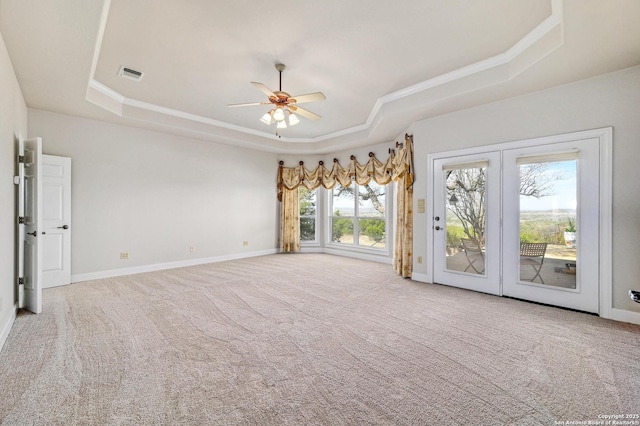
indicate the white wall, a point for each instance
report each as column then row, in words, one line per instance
column 13, row 122
column 154, row 195
column 608, row 100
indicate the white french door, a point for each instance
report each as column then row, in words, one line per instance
column 568, row 273
column 466, row 221
column 528, row 219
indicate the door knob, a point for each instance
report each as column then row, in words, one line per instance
column 438, row 228
column 437, row 218
column 63, row 227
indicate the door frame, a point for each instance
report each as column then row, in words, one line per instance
column 605, row 214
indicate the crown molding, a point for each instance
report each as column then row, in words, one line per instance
column 534, row 46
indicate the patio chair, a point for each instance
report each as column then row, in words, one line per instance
column 474, row 254
column 533, row 254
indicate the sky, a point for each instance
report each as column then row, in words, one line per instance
column 565, row 190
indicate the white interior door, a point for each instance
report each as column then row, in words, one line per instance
column 30, row 230
column 466, row 221
column 56, row 220
column 568, row 185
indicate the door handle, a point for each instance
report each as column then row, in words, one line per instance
column 438, row 228
column 34, row 233
column 63, row 227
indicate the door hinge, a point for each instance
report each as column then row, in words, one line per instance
column 21, row 159
column 21, row 281
column 21, row 220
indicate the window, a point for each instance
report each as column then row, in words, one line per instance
column 308, row 214
column 358, row 215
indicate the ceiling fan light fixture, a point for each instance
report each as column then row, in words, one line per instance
column 293, row 119
column 278, row 115
column 283, row 105
column 266, row 118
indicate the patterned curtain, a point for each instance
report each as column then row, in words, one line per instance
column 403, row 247
column 290, row 222
column 398, row 167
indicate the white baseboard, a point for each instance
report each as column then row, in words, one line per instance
column 625, row 316
column 6, row 327
column 162, row 266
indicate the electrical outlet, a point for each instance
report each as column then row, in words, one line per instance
column 245, row 243
column 124, row 256
column 419, row 259
column 192, row 249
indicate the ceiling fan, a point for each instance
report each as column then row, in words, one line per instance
column 285, row 106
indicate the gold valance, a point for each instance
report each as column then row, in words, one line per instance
column 394, row 168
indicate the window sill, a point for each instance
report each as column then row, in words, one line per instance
column 310, row 244
column 374, row 255
column 359, row 249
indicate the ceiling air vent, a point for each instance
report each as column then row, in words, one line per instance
column 130, row 73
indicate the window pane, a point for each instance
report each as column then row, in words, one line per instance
column 307, row 214
column 307, row 202
column 372, row 200
column 358, row 215
column 343, row 202
column 342, row 230
column 548, row 202
column 307, row 229
column 372, row 232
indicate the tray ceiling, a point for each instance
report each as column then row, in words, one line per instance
column 382, row 65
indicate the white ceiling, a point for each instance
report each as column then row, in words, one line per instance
column 382, row 65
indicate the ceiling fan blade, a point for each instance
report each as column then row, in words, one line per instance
column 249, row 104
column 309, row 97
column 264, row 89
column 306, row 114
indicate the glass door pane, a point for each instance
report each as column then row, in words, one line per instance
column 465, row 189
column 548, row 221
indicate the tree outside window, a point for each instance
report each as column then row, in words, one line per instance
column 466, row 201
column 358, row 215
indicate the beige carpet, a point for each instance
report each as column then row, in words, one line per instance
column 308, row 339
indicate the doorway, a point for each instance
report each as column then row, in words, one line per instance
column 528, row 219
column 44, row 214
